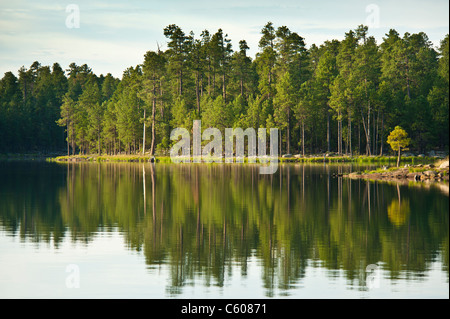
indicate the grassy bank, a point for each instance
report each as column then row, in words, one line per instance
column 27, row 156
column 381, row 160
column 111, row 158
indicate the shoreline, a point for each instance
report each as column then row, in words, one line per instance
column 307, row 159
column 409, row 164
column 422, row 170
column 438, row 172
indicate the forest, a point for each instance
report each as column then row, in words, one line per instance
column 342, row 96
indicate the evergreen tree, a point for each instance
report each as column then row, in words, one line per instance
column 342, row 95
column 283, row 103
column 154, row 70
column 177, row 54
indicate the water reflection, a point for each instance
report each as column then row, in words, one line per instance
column 398, row 210
column 203, row 221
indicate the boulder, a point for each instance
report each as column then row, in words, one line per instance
column 444, row 165
column 429, row 173
column 413, row 176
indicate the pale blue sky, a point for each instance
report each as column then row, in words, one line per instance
column 114, row 35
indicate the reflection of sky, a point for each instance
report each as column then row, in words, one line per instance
column 109, row 270
column 114, row 35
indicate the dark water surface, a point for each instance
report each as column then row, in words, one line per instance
column 132, row 230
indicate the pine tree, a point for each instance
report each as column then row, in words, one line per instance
column 177, row 54
column 265, row 61
column 154, row 68
column 283, row 103
column 67, row 120
column 399, row 141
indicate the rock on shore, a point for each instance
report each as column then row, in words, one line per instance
column 408, row 173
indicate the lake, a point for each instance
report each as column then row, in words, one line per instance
column 133, row 230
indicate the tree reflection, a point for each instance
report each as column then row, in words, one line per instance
column 203, row 220
column 398, row 210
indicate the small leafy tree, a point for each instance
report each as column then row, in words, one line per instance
column 399, row 141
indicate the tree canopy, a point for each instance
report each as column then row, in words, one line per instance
column 399, row 141
column 342, row 96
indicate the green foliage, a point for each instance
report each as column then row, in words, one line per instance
column 398, row 139
column 342, row 96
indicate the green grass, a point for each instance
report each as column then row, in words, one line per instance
column 418, row 169
column 360, row 159
column 382, row 170
column 108, row 158
column 410, row 170
column 380, row 160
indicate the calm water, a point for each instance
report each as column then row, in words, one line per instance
column 216, row 231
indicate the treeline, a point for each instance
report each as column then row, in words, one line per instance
column 343, row 96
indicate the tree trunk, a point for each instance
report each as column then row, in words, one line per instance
column 374, row 133
column 152, row 147
column 339, row 135
column 359, row 138
column 115, row 141
column 328, row 131
column 375, row 151
column 368, row 132
column 201, row 84
column 197, row 92
column 72, row 138
column 143, row 134
column 367, row 129
column 288, row 133
column 68, row 142
column 281, row 142
column 350, row 136
column 382, row 134
column 224, row 88
column 303, row 137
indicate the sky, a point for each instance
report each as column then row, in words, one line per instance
column 114, row 35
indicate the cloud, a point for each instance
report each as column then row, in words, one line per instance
column 114, row 35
